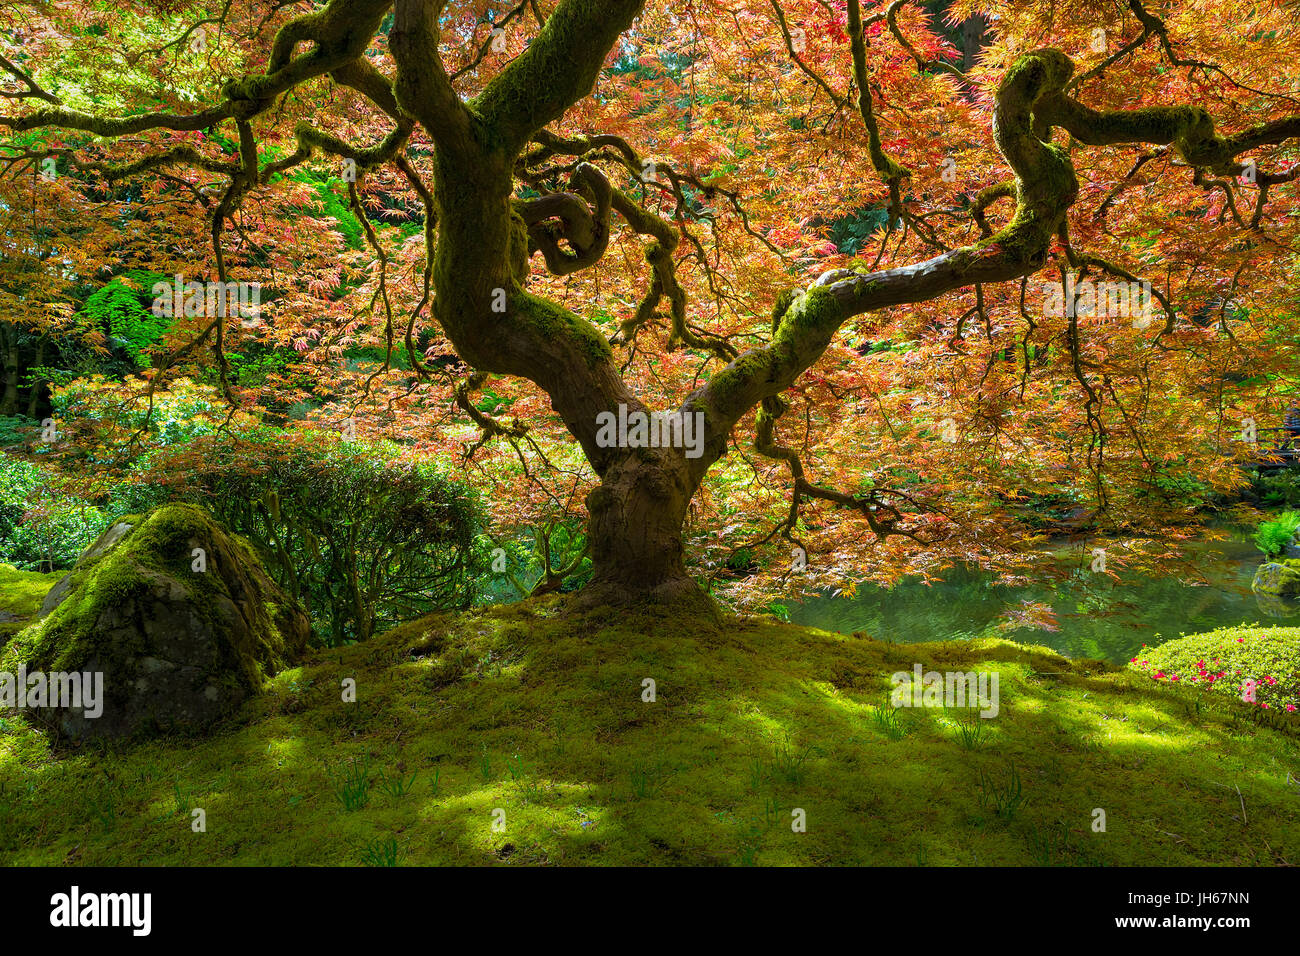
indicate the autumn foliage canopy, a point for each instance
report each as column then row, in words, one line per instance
column 921, row 295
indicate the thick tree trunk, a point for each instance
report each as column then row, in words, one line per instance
column 12, row 364
column 972, row 36
column 635, row 531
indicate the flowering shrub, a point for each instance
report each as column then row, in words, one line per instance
column 1257, row 665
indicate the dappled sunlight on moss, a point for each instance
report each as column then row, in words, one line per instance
column 542, row 716
column 21, row 594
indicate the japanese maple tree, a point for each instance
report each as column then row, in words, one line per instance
column 802, row 220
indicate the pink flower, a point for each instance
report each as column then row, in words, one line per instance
column 1290, row 708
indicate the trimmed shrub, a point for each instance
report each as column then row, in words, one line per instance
column 1222, row 661
column 362, row 540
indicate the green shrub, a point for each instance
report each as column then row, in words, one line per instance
column 332, row 203
column 362, row 540
column 1278, row 489
column 123, row 308
column 53, row 533
column 1179, row 488
column 257, row 365
column 41, row 527
column 19, row 482
column 17, row 429
column 1272, row 537
column 1221, row 661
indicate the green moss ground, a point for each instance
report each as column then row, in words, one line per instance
column 522, row 709
column 21, row 594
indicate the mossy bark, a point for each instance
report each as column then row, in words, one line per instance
column 480, row 255
column 635, row 530
column 637, row 513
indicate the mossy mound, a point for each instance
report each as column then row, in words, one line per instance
column 179, row 617
column 544, row 715
column 1223, row 661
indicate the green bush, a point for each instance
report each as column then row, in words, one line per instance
column 1272, row 537
column 42, row 528
column 1278, row 489
column 332, row 203
column 19, row 482
column 1222, row 661
column 363, row 541
column 17, row 429
column 1179, row 488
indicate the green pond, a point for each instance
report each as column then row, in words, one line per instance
column 1095, row 616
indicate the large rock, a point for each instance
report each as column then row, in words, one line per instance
column 182, row 637
column 1277, row 588
column 1280, row 579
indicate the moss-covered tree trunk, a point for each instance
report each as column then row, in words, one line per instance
column 481, row 260
column 481, row 250
column 481, row 263
column 635, row 529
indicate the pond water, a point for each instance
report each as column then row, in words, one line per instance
column 1096, row 616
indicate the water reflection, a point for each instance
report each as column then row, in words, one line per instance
column 1096, row 616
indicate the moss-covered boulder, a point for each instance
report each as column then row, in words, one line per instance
column 1278, row 579
column 176, row 613
column 1277, row 587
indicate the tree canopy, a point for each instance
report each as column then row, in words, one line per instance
column 907, row 287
